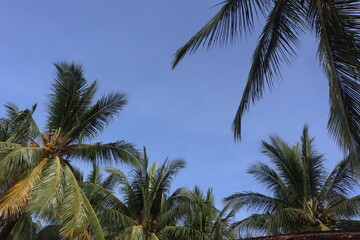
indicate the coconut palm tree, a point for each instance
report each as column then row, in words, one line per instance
column 203, row 216
column 15, row 127
column 336, row 26
column 39, row 170
column 145, row 210
column 304, row 197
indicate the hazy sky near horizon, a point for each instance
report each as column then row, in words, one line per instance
column 183, row 113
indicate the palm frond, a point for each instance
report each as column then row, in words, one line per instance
column 180, row 232
column 256, row 202
column 48, row 194
column 78, row 217
column 133, row 233
column 346, row 208
column 276, row 45
column 119, row 151
column 16, row 163
column 25, row 228
column 93, row 120
column 235, row 17
column 340, row 183
column 71, row 96
column 14, row 201
column 287, row 220
column 20, row 125
column 348, row 225
column 337, row 26
column 287, row 162
column 101, row 197
column 255, row 224
column 314, row 173
column 268, row 177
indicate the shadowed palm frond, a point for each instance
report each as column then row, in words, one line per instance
column 178, row 232
column 335, row 24
column 337, row 27
column 275, row 46
column 235, row 17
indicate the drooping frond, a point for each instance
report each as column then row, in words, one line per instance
column 276, row 46
column 14, row 201
column 269, row 178
column 337, row 26
column 346, row 208
column 77, row 215
column 255, row 224
column 16, row 163
column 47, row 196
column 101, row 197
column 256, row 202
column 286, row 219
column 235, row 17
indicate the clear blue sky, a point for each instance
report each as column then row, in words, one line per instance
column 186, row 113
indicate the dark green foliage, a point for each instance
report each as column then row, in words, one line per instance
column 304, row 196
column 336, row 25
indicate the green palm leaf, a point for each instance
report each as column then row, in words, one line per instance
column 339, row 51
column 235, row 17
column 276, row 45
column 119, row 151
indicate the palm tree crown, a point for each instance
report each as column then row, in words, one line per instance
column 206, row 219
column 337, row 27
column 304, row 197
column 38, row 169
column 145, row 210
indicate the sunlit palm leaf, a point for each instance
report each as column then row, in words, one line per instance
column 48, row 194
column 14, row 201
column 79, row 219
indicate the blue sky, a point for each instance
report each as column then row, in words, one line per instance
column 186, row 113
